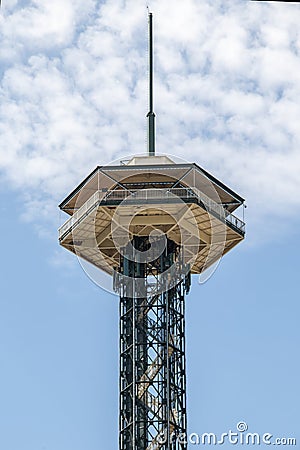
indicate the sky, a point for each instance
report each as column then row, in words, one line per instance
column 73, row 95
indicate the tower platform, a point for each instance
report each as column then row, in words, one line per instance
column 148, row 195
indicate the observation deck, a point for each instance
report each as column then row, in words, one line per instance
column 146, row 195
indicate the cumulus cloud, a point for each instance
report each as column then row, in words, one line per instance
column 73, row 94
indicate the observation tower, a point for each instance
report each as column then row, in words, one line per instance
column 151, row 224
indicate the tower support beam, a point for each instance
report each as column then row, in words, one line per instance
column 152, row 350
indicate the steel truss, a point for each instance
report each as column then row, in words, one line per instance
column 152, row 347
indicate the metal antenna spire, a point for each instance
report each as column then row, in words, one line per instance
column 151, row 115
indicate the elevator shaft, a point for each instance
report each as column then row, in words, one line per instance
column 152, row 346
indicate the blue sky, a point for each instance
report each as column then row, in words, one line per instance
column 73, row 89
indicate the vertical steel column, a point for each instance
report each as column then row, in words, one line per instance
column 152, row 351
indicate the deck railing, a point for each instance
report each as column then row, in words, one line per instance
column 100, row 197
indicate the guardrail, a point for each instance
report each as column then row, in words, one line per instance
column 151, row 194
column 81, row 212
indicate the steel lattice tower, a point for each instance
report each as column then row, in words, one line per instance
column 152, row 346
column 150, row 224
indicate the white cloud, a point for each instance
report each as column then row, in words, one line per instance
column 73, row 94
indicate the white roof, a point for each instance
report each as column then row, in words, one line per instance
column 149, row 160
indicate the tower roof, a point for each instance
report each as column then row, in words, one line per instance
column 108, row 177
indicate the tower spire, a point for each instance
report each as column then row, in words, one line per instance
column 151, row 115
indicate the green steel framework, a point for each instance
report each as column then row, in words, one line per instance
column 152, row 348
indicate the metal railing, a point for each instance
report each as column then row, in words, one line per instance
column 151, row 194
column 89, row 205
